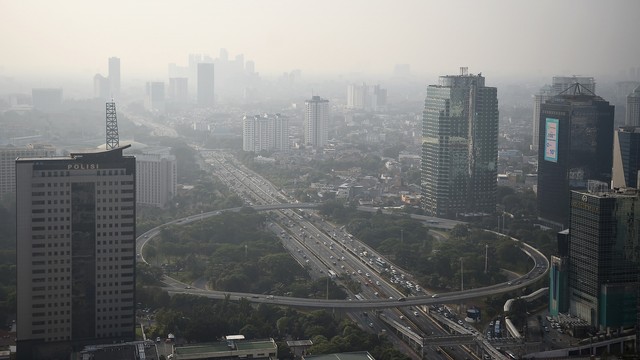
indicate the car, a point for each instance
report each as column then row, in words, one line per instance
column 415, row 313
column 187, row 287
column 434, row 296
column 402, row 299
column 158, row 339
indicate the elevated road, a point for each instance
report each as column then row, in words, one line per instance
column 541, row 265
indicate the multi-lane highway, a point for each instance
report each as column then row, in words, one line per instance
column 326, row 250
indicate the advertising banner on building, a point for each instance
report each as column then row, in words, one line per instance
column 551, row 140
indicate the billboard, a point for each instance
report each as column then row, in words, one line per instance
column 551, row 140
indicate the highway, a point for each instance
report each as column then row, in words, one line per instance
column 326, row 250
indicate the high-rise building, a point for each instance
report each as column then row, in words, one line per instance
column 114, row 76
column 358, row 96
column 8, row 155
column 75, row 251
column 265, row 132
column 379, row 98
column 560, row 84
column 101, row 88
column 156, row 177
column 559, row 276
column 364, row 97
column 460, row 146
column 604, row 240
column 154, row 98
column 575, row 145
column 179, row 89
column 46, row 99
column 316, row 122
column 543, row 95
column 206, row 96
column 626, row 157
column 633, row 108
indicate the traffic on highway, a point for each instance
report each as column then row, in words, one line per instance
column 387, row 300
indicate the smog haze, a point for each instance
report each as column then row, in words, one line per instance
column 503, row 38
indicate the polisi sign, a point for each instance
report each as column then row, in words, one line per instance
column 83, row 166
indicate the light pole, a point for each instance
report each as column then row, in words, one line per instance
column 486, row 258
column 461, row 274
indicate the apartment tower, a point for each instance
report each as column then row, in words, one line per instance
column 114, row 76
column 316, row 122
column 205, row 93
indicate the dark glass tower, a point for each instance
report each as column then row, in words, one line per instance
column 459, row 146
column 75, row 252
column 603, row 262
column 576, row 141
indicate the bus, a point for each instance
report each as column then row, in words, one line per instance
column 497, row 329
column 332, row 274
column 381, row 263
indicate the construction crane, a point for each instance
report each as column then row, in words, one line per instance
column 113, row 140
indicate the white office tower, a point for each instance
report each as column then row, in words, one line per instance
column 539, row 99
column 316, row 122
column 76, row 252
column 633, row 108
column 358, row 97
column 157, row 177
column 154, row 97
column 265, row 133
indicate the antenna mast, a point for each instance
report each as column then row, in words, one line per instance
column 113, row 140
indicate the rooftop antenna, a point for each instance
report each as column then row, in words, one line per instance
column 113, row 140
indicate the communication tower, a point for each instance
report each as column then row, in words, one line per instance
column 113, row 140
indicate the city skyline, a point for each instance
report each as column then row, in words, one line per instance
column 599, row 34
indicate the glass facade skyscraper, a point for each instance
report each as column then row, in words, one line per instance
column 459, row 146
column 575, row 145
column 603, row 256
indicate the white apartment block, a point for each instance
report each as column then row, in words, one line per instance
column 8, row 155
column 265, row 133
column 156, row 177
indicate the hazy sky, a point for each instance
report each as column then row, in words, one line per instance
column 496, row 37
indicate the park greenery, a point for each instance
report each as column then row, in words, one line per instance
column 435, row 263
column 234, row 251
column 203, row 320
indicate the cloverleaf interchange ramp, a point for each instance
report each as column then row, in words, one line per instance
column 175, row 286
